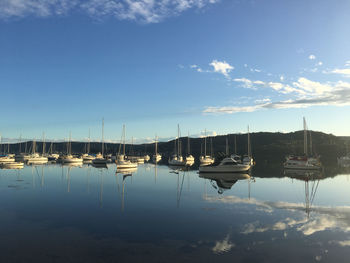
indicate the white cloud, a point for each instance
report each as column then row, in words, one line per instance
column 343, row 243
column 320, row 63
column 221, row 67
column 345, row 71
column 223, row 245
column 312, row 57
column 347, row 63
column 144, row 11
column 307, row 93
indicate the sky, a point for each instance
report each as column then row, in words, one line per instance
column 218, row 65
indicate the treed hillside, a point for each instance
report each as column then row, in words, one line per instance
column 267, row 148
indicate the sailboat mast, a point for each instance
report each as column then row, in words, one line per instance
column 205, row 142
column 178, row 140
column 156, row 146
column 88, row 148
column 20, row 143
column 305, row 137
column 188, row 145
column 311, row 152
column 227, row 151
column 70, row 144
column 235, row 144
column 103, row 126
column 249, row 149
column 44, row 143
column 124, row 139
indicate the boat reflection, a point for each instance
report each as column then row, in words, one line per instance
column 177, row 168
column 99, row 165
column 126, row 173
column 312, row 180
column 224, row 181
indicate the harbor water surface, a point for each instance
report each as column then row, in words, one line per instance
column 54, row 213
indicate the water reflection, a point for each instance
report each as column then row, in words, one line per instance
column 224, row 181
column 132, row 214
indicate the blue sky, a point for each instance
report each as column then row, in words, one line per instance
column 214, row 64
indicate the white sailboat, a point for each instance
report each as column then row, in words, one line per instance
column 6, row 158
column 69, row 158
column 35, row 158
column 120, row 161
column 206, row 159
column 87, row 157
column 189, row 156
column 100, row 160
column 248, row 159
column 304, row 162
column 156, row 157
column 177, row 159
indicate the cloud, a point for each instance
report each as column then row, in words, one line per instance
column 144, row 11
column 221, row 67
column 323, row 217
column 347, row 63
column 223, row 246
column 312, row 57
column 343, row 243
column 308, row 93
column 344, row 71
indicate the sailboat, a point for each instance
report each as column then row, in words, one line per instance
column 35, row 158
column 248, row 159
column 52, row 156
column 189, row 156
column 87, row 157
column 304, row 162
column 69, row 158
column 156, row 157
column 6, row 158
column 100, row 160
column 177, row 159
column 206, row 159
column 121, row 162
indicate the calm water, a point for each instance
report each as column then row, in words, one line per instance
column 56, row 213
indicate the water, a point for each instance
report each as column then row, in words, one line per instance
column 56, row 213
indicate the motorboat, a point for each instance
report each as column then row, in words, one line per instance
column 237, row 158
column 227, row 165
